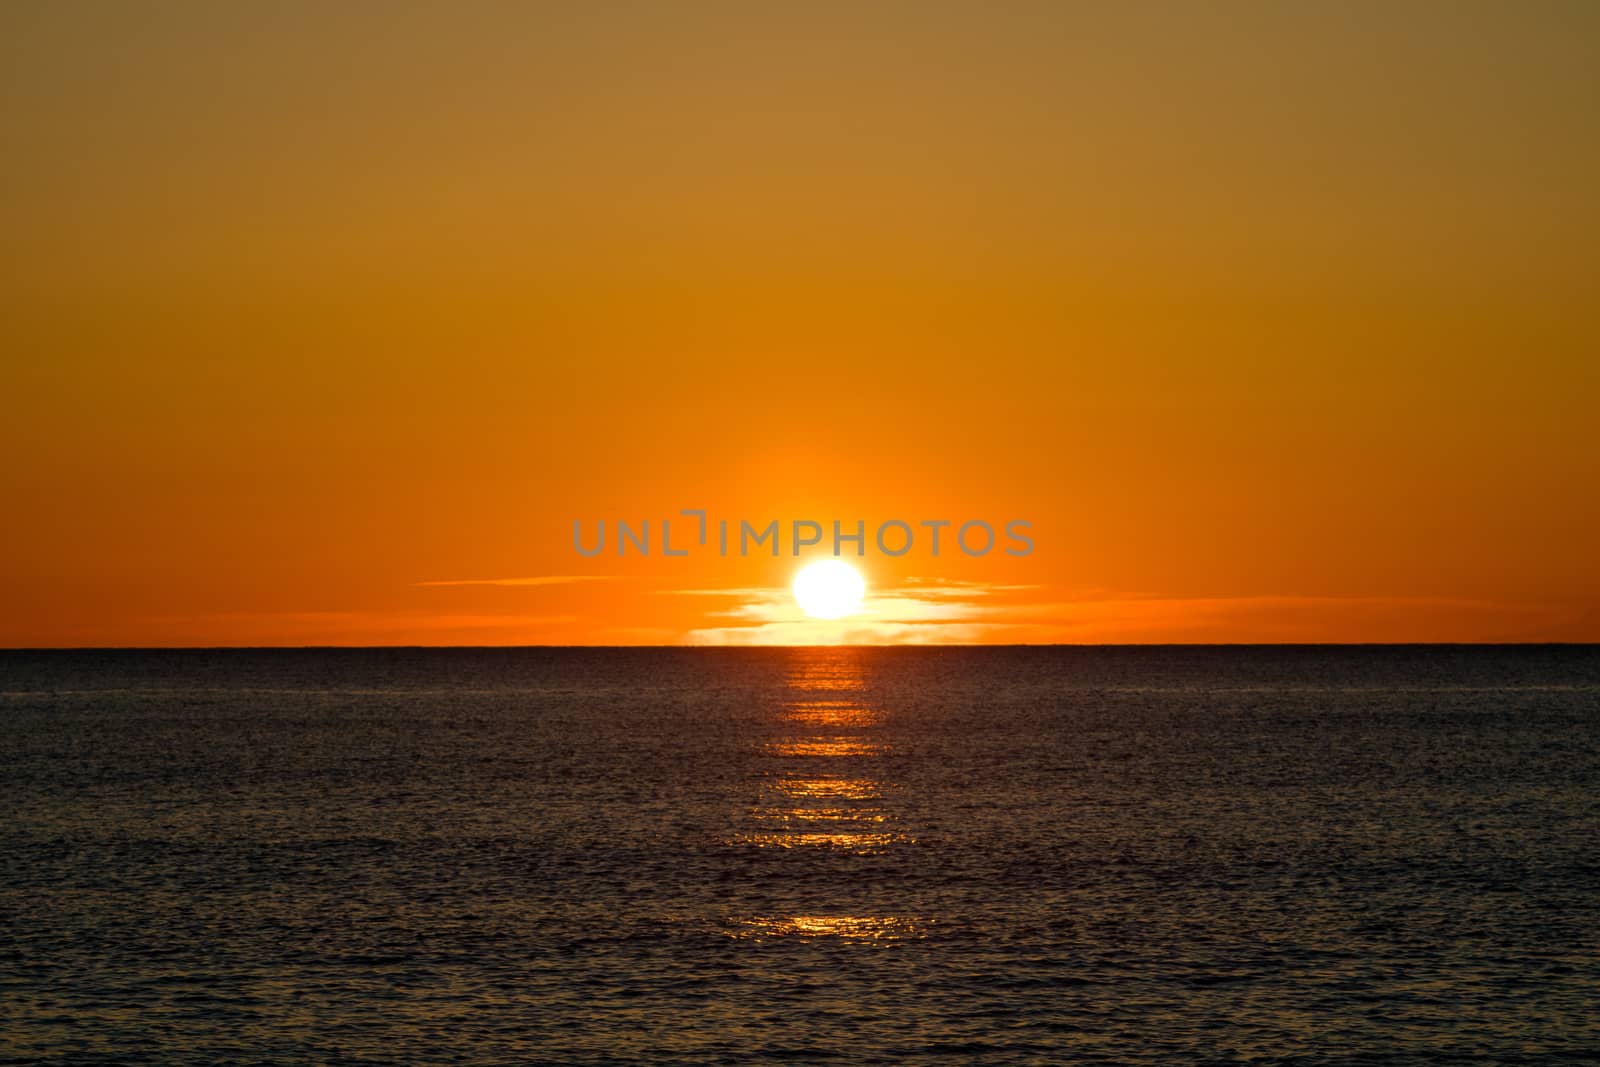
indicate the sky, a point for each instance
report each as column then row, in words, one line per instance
column 323, row 324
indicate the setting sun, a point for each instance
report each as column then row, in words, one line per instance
column 829, row 589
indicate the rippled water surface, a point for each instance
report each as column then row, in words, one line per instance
column 1048, row 856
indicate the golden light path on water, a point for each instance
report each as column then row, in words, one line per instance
column 811, row 815
column 854, row 841
column 852, row 927
column 845, row 788
column 823, row 795
column 837, row 713
column 828, row 746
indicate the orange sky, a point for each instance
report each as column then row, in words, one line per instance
column 1276, row 323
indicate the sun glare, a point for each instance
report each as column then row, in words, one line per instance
column 829, row 589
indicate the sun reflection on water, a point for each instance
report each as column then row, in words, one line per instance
column 832, row 788
column 859, row 843
column 835, row 713
column 828, row 677
column 827, row 747
column 804, row 815
column 802, row 806
column 848, row 927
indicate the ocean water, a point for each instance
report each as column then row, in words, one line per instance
column 1078, row 855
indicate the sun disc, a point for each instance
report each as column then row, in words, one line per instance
column 829, row 589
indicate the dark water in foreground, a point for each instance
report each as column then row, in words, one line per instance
column 970, row 856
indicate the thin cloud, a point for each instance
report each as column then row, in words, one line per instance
column 924, row 612
column 747, row 592
column 816, row 632
column 955, row 589
column 546, row 579
column 411, row 627
column 919, row 611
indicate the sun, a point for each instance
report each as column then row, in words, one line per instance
column 829, row 589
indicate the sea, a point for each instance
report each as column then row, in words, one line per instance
column 1024, row 855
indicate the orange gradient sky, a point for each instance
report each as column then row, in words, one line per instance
column 323, row 323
